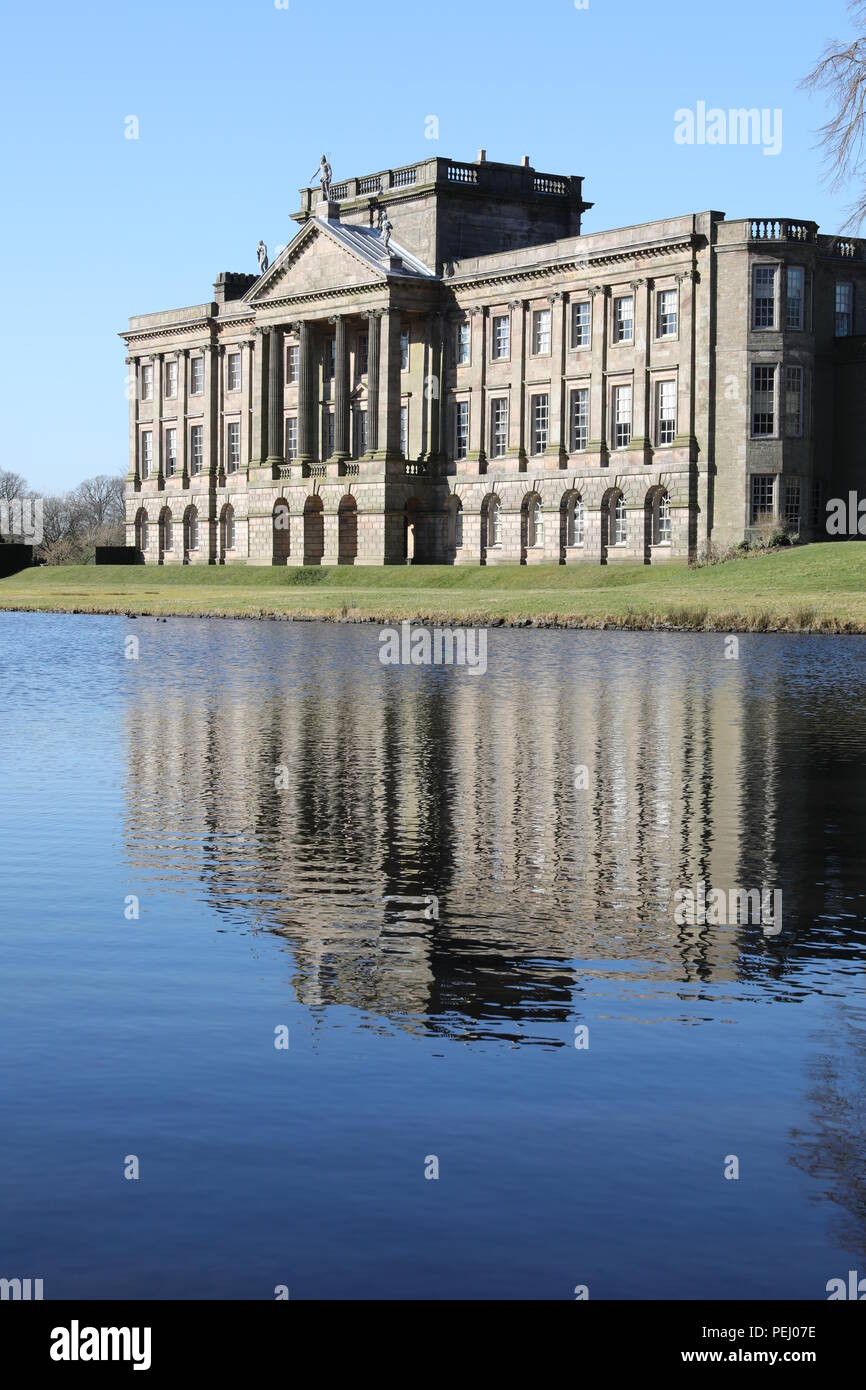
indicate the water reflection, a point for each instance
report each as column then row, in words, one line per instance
column 426, row 782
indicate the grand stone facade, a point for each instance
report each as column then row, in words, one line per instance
column 487, row 385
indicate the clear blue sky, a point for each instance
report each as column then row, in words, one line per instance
column 237, row 100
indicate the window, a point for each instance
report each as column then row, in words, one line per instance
column 501, row 337
column 360, row 433
column 329, row 361
column 844, row 310
column 229, row 523
column 146, row 453
column 574, row 521
column 499, row 427
column 461, row 446
column 293, row 363
column 192, row 529
column 292, row 437
column 662, row 520
column 233, row 446
column 581, row 324
column 666, row 412
column 620, row 521
column 540, row 421
column 233, row 371
column 170, row 380
column 623, row 319
column 763, row 401
column 764, row 296
column 167, row 533
column 196, row 376
column 666, row 323
column 404, row 350
column 327, row 434
column 363, row 353
column 541, row 333
column 494, row 523
column 404, row 430
column 147, row 382
column 170, row 451
column 794, row 402
column 794, row 316
column 579, row 419
column 792, row 504
column 142, row 533
column 763, row 495
column 621, row 417
column 534, row 525
column 196, row 448
column 464, row 340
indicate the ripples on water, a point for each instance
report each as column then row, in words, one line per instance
column 264, row 904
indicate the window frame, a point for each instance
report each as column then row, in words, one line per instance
column 773, row 369
column 617, row 322
column 235, row 356
column 539, row 335
column 196, row 430
column 195, row 362
column 231, row 427
column 758, row 268
column 539, row 425
column 504, row 402
column 575, row 346
column 660, row 316
column 615, row 424
column 506, row 320
column 574, row 393
column 658, row 388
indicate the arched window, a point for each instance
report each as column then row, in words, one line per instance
column 574, row 520
column 230, row 528
column 662, row 520
column 141, row 529
column 619, row 520
column 535, row 524
column 281, row 536
column 494, row 523
column 167, row 533
column 192, row 529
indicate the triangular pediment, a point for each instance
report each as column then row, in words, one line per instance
column 314, row 262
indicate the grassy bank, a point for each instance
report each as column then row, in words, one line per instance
column 807, row 588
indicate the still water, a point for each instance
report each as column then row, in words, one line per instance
column 266, row 791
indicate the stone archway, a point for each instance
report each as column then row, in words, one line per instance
column 347, row 531
column 314, row 530
column 280, row 537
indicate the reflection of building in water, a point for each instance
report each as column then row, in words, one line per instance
column 421, row 782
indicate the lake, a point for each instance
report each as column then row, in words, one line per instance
column 372, row 972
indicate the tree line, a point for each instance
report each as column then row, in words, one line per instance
column 73, row 523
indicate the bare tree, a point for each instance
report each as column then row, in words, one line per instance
column 101, row 500
column 841, row 74
column 12, row 485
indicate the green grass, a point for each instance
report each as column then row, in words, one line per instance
column 805, row 588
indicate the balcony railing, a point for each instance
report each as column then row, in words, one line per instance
column 780, row 229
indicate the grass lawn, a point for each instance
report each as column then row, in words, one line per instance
column 805, row 588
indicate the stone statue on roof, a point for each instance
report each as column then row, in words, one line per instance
column 262, row 253
column 325, row 178
column 386, row 227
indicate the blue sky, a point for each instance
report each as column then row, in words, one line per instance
column 235, row 102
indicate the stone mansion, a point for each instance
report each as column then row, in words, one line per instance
column 441, row 367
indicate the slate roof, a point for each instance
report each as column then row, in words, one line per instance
column 367, row 243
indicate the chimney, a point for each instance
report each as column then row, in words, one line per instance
column 482, row 156
column 525, row 161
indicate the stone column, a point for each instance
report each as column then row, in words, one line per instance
column 597, row 444
column 685, row 375
column 341, row 391
column 207, row 514
column 373, row 319
column 259, row 390
column 388, row 444
column 219, row 356
column 556, row 445
column 182, row 387
column 307, row 451
column 134, row 475
column 517, row 397
column 246, row 398
column 275, row 398
column 640, row 418
column 157, row 450
column 477, row 405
